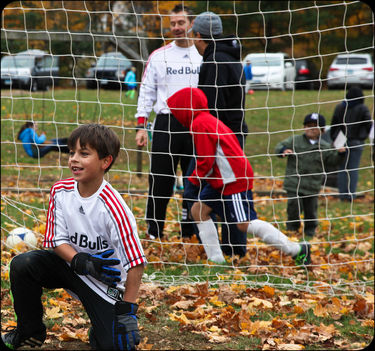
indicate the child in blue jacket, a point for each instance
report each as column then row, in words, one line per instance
column 131, row 83
column 37, row 146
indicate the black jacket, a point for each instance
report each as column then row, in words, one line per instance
column 222, row 79
column 353, row 118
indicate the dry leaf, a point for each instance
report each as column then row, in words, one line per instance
column 179, row 318
column 270, row 291
column 290, row 347
column 183, row 304
column 257, row 302
column 54, row 312
column 368, row 323
column 325, row 332
column 320, row 311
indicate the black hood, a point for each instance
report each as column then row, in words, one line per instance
column 229, row 45
column 354, row 96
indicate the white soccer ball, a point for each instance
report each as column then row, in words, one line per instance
column 21, row 236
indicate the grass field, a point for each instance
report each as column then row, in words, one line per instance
column 261, row 301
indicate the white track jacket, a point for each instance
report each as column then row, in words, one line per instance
column 168, row 69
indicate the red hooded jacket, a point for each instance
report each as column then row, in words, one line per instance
column 220, row 158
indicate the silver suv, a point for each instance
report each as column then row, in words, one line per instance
column 31, row 69
column 350, row 69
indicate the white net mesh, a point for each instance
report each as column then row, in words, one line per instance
column 73, row 36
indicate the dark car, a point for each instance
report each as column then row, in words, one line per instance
column 108, row 72
column 307, row 75
column 31, row 69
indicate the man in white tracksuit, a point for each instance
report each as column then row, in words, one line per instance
column 168, row 69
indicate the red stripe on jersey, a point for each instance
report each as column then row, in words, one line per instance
column 153, row 53
column 126, row 231
column 65, row 184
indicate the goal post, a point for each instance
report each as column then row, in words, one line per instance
column 77, row 33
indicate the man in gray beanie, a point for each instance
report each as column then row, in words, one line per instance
column 208, row 24
column 222, row 79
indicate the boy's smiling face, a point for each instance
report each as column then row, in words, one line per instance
column 312, row 131
column 86, row 167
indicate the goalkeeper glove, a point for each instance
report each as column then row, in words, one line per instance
column 125, row 326
column 98, row 266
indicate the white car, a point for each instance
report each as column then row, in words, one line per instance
column 31, row 69
column 349, row 69
column 271, row 71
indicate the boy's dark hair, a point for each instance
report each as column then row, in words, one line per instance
column 180, row 8
column 99, row 137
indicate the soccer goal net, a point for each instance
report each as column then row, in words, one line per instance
column 65, row 63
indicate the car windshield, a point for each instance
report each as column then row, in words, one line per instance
column 17, row 62
column 351, row 61
column 111, row 61
column 265, row 61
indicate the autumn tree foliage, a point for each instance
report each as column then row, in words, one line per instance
column 300, row 28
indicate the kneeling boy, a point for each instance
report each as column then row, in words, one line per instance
column 96, row 253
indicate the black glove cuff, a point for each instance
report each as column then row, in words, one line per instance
column 140, row 126
column 78, row 262
column 123, row 307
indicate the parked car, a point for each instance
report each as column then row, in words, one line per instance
column 31, row 69
column 271, row 70
column 109, row 71
column 350, row 69
column 307, row 75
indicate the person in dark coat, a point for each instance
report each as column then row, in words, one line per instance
column 222, row 79
column 353, row 118
column 308, row 157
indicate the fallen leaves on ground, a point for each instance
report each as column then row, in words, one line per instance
column 302, row 314
column 217, row 316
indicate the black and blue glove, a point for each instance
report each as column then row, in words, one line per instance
column 125, row 326
column 98, row 266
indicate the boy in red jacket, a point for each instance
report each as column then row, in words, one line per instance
column 225, row 178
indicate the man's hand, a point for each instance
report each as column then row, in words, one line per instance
column 141, row 137
column 98, row 266
column 125, row 327
column 287, row 152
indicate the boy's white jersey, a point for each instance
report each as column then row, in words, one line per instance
column 94, row 224
column 168, row 69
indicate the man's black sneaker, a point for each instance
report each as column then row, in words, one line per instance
column 15, row 339
column 304, row 256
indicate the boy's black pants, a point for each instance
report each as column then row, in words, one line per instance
column 306, row 204
column 34, row 270
column 171, row 144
